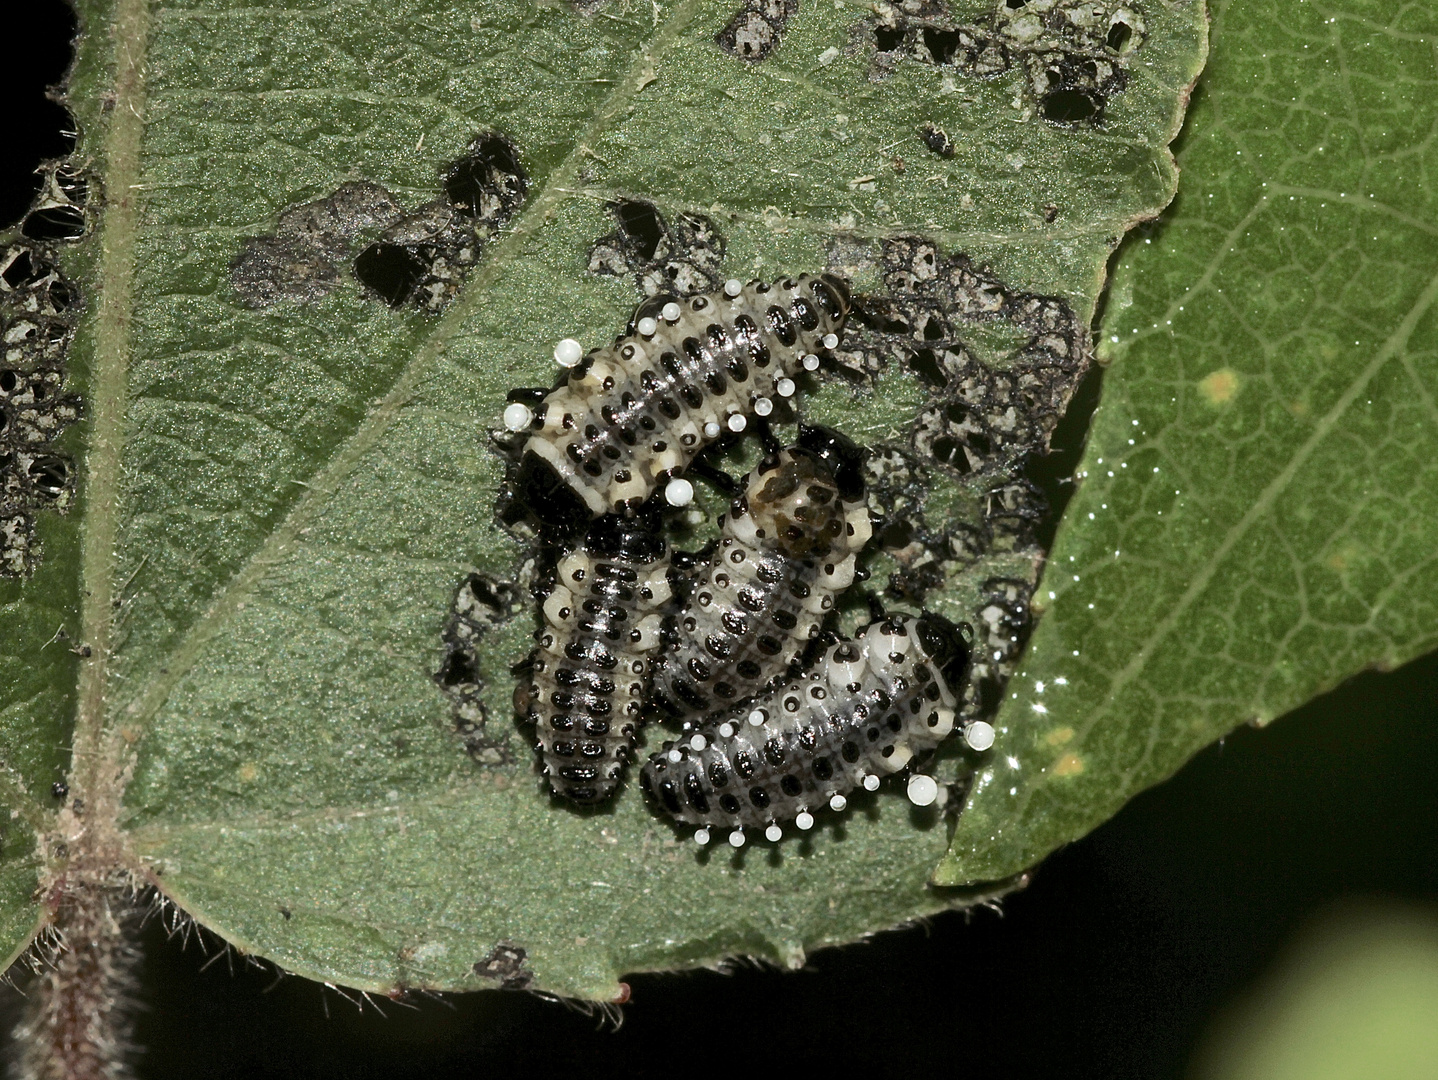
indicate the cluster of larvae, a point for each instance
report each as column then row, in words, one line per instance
column 781, row 716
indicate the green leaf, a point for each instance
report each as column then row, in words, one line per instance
column 279, row 500
column 1256, row 518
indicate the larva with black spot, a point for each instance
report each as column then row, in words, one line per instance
column 585, row 682
column 862, row 712
column 788, row 548
column 630, row 416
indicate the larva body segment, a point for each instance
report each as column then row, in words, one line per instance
column 586, row 680
column 788, row 549
column 865, row 709
column 633, row 414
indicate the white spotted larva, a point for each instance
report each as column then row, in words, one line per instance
column 862, row 712
column 788, row 549
column 585, row 685
column 631, row 415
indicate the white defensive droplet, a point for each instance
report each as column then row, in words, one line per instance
column 785, row 387
column 831, row 341
column 698, row 743
column 568, row 352
column 757, row 718
column 726, row 730
column 923, row 790
column 979, row 735
column 671, row 313
column 736, row 838
column 517, row 416
column 773, row 834
column 679, row 492
column 733, row 287
column 871, row 782
column 763, row 406
column 804, row 820
column 811, row 363
column 711, row 430
column 647, row 326
column 675, row 756
column 737, row 422
column 838, row 803
column 701, row 836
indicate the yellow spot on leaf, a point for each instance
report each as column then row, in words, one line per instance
column 1343, row 558
column 249, row 772
column 1220, row 387
column 1068, row 765
column 1059, row 736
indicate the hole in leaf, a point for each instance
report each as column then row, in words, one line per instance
column 489, row 172
column 942, row 44
column 1119, row 35
column 1068, row 106
column 927, row 367
column 642, row 222
column 392, row 271
column 50, row 475
column 888, row 38
column 54, row 223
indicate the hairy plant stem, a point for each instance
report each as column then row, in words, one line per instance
column 79, row 1018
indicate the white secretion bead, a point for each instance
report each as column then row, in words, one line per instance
column 831, row 341
column 838, row 803
column 517, row 416
column 773, row 834
column 736, row 838
column 711, row 430
column 871, row 782
column 568, row 352
column 733, row 287
column 736, row 422
column 675, row 756
column 979, row 735
column 701, row 836
column 785, row 387
column 679, row 492
column 671, row 313
column 757, row 718
column 726, row 730
column 763, row 406
column 811, row 362
column 804, row 820
column 698, row 743
column 646, row 326
column 923, row 790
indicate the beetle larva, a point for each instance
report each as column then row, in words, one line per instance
column 630, row 416
column 863, row 711
column 787, row 550
column 585, row 684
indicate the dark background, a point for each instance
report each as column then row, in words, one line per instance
column 1111, row 964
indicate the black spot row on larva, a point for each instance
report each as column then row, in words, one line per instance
column 627, row 418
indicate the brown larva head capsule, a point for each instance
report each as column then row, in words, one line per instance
column 794, row 499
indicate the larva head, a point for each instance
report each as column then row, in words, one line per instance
column 543, row 493
column 614, row 536
column 831, row 292
column 945, row 644
column 843, row 456
column 794, row 501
